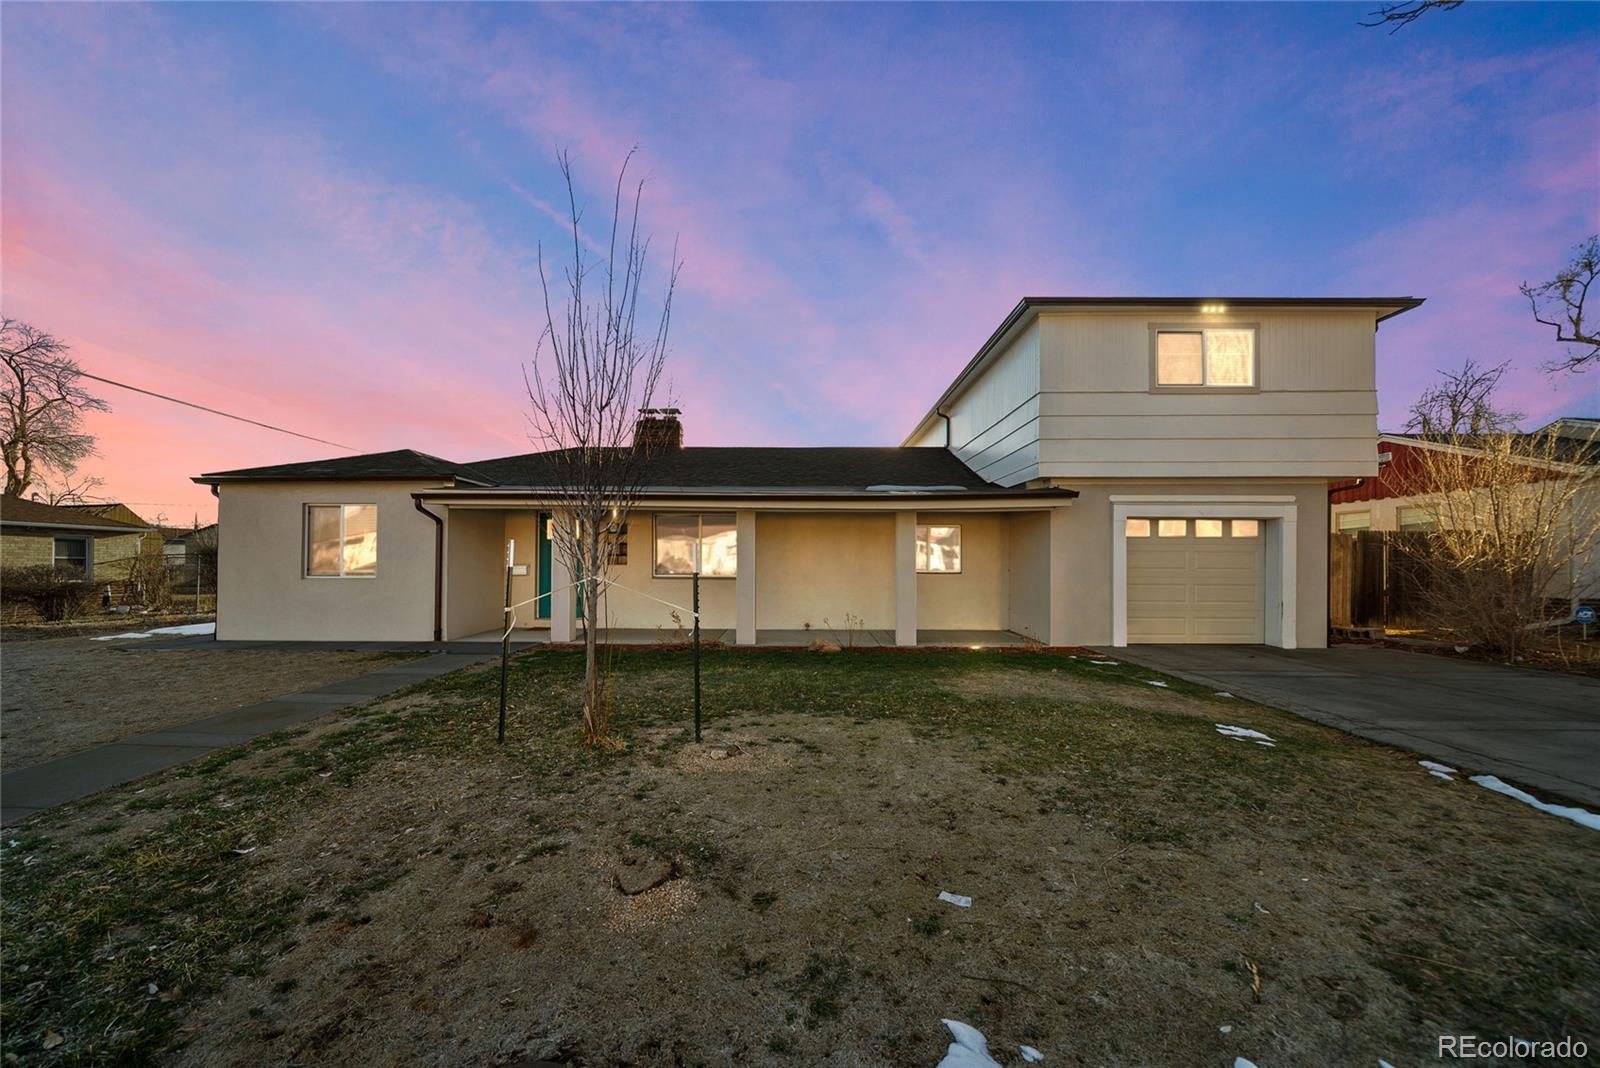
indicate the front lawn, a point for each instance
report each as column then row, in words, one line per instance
column 390, row 887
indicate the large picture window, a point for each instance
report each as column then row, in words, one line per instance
column 1223, row 358
column 691, row 540
column 341, row 540
column 939, row 550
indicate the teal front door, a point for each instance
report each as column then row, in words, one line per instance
column 543, row 604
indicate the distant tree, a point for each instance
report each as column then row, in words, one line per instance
column 69, row 488
column 1462, row 404
column 596, row 366
column 1558, row 303
column 41, row 407
column 1403, row 13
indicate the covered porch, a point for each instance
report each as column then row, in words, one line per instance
column 871, row 573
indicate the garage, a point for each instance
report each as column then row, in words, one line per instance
column 1195, row 581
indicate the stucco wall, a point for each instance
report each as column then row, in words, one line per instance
column 474, row 576
column 1028, row 575
column 977, row 598
column 1081, row 554
column 626, row 608
column 816, row 568
column 264, row 594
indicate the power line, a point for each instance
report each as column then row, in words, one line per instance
column 214, row 411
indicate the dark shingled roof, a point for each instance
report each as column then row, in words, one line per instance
column 396, row 464
column 19, row 511
column 837, row 469
column 820, row 470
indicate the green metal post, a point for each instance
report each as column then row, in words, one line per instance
column 505, row 654
column 696, row 655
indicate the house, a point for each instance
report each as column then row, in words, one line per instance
column 34, row 534
column 117, row 556
column 1103, row 471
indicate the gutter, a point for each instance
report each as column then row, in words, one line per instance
column 438, row 568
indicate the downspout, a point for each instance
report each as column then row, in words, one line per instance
column 438, row 568
column 216, row 491
column 940, row 413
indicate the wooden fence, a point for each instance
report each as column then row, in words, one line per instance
column 1375, row 577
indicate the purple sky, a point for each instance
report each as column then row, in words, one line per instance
column 325, row 217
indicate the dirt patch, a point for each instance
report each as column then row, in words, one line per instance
column 60, row 695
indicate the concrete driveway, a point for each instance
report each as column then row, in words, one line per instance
column 1537, row 728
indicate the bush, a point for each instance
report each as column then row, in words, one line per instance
column 54, row 595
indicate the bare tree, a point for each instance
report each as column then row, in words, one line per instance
column 1558, row 303
column 1402, row 13
column 1514, row 524
column 69, row 488
column 1462, row 403
column 41, row 407
column 594, row 369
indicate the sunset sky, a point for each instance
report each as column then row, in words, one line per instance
column 325, row 217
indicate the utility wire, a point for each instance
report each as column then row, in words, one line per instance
column 214, row 411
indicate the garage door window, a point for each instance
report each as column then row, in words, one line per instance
column 1172, row 528
column 1246, row 528
column 1137, row 528
column 1208, row 528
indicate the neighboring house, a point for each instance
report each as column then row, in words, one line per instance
column 1390, row 500
column 1104, row 471
column 117, row 556
column 178, row 544
column 34, row 534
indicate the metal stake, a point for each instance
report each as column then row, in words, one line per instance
column 696, row 585
column 505, row 654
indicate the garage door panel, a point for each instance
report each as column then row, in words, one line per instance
column 1195, row 590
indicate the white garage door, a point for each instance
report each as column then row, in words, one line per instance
column 1195, row 581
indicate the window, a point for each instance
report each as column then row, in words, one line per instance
column 72, row 554
column 1208, row 528
column 1353, row 520
column 1172, row 528
column 1221, row 358
column 685, row 541
column 1415, row 519
column 341, row 540
column 938, row 550
column 1138, row 528
column 1246, row 528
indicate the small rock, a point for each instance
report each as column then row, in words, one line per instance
column 643, row 877
column 825, row 645
column 722, row 752
column 52, row 1039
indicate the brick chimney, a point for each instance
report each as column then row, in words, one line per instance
column 658, row 429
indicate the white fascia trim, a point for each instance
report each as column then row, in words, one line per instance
column 1281, row 511
column 1186, row 498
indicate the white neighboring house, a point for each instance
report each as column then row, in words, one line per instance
column 1104, row 471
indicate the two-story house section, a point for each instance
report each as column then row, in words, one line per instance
column 1200, row 435
column 1103, row 471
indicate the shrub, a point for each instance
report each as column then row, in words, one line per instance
column 54, row 595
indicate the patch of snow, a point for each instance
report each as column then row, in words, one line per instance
column 1384, row 1064
column 1222, row 693
column 1104, row 663
column 1582, row 816
column 1226, row 1028
column 1156, row 682
column 183, row 631
column 1240, row 1062
column 1243, row 733
column 958, row 900
column 1438, row 770
column 969, row 1050
column 1030, row 1054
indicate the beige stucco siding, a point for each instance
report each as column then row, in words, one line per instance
column 976, row 598
column 1315, row 413
column 1028, row 577
column 628, row 604
column 474, row 577
column 816, row 569
column 1081, row 572
column 264, row 594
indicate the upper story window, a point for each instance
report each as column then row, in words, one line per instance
column 341, row 540
column 688, row 542
column 1206, row 357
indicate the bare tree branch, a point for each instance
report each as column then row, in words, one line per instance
column 41, row 407
column 69, row 488
column 1558, row 304
column 1402, row 13
column 1462, row 403
column 594, row 370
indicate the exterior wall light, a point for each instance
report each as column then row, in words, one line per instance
column 1213, row 309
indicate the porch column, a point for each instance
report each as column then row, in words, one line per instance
column 905, row 578
column 744, row 581
column 563, row 598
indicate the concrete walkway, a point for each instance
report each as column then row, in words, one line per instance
column 27, row 790
column 1540, row 729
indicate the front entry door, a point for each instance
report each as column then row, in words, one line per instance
column 543, row 604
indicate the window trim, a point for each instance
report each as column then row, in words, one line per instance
column 960, row 555
column 305, row 538
column 1200, row 327
column 699, row 536
column 88, row 553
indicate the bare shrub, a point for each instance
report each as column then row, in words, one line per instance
column 52, row 593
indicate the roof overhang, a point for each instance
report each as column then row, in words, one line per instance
column 1468, row 450
column 87, row 528
column 998, row 499
column 1028, row 308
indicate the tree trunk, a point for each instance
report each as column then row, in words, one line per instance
column 594, row 712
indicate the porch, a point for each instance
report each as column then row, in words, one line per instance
column 770, row 639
